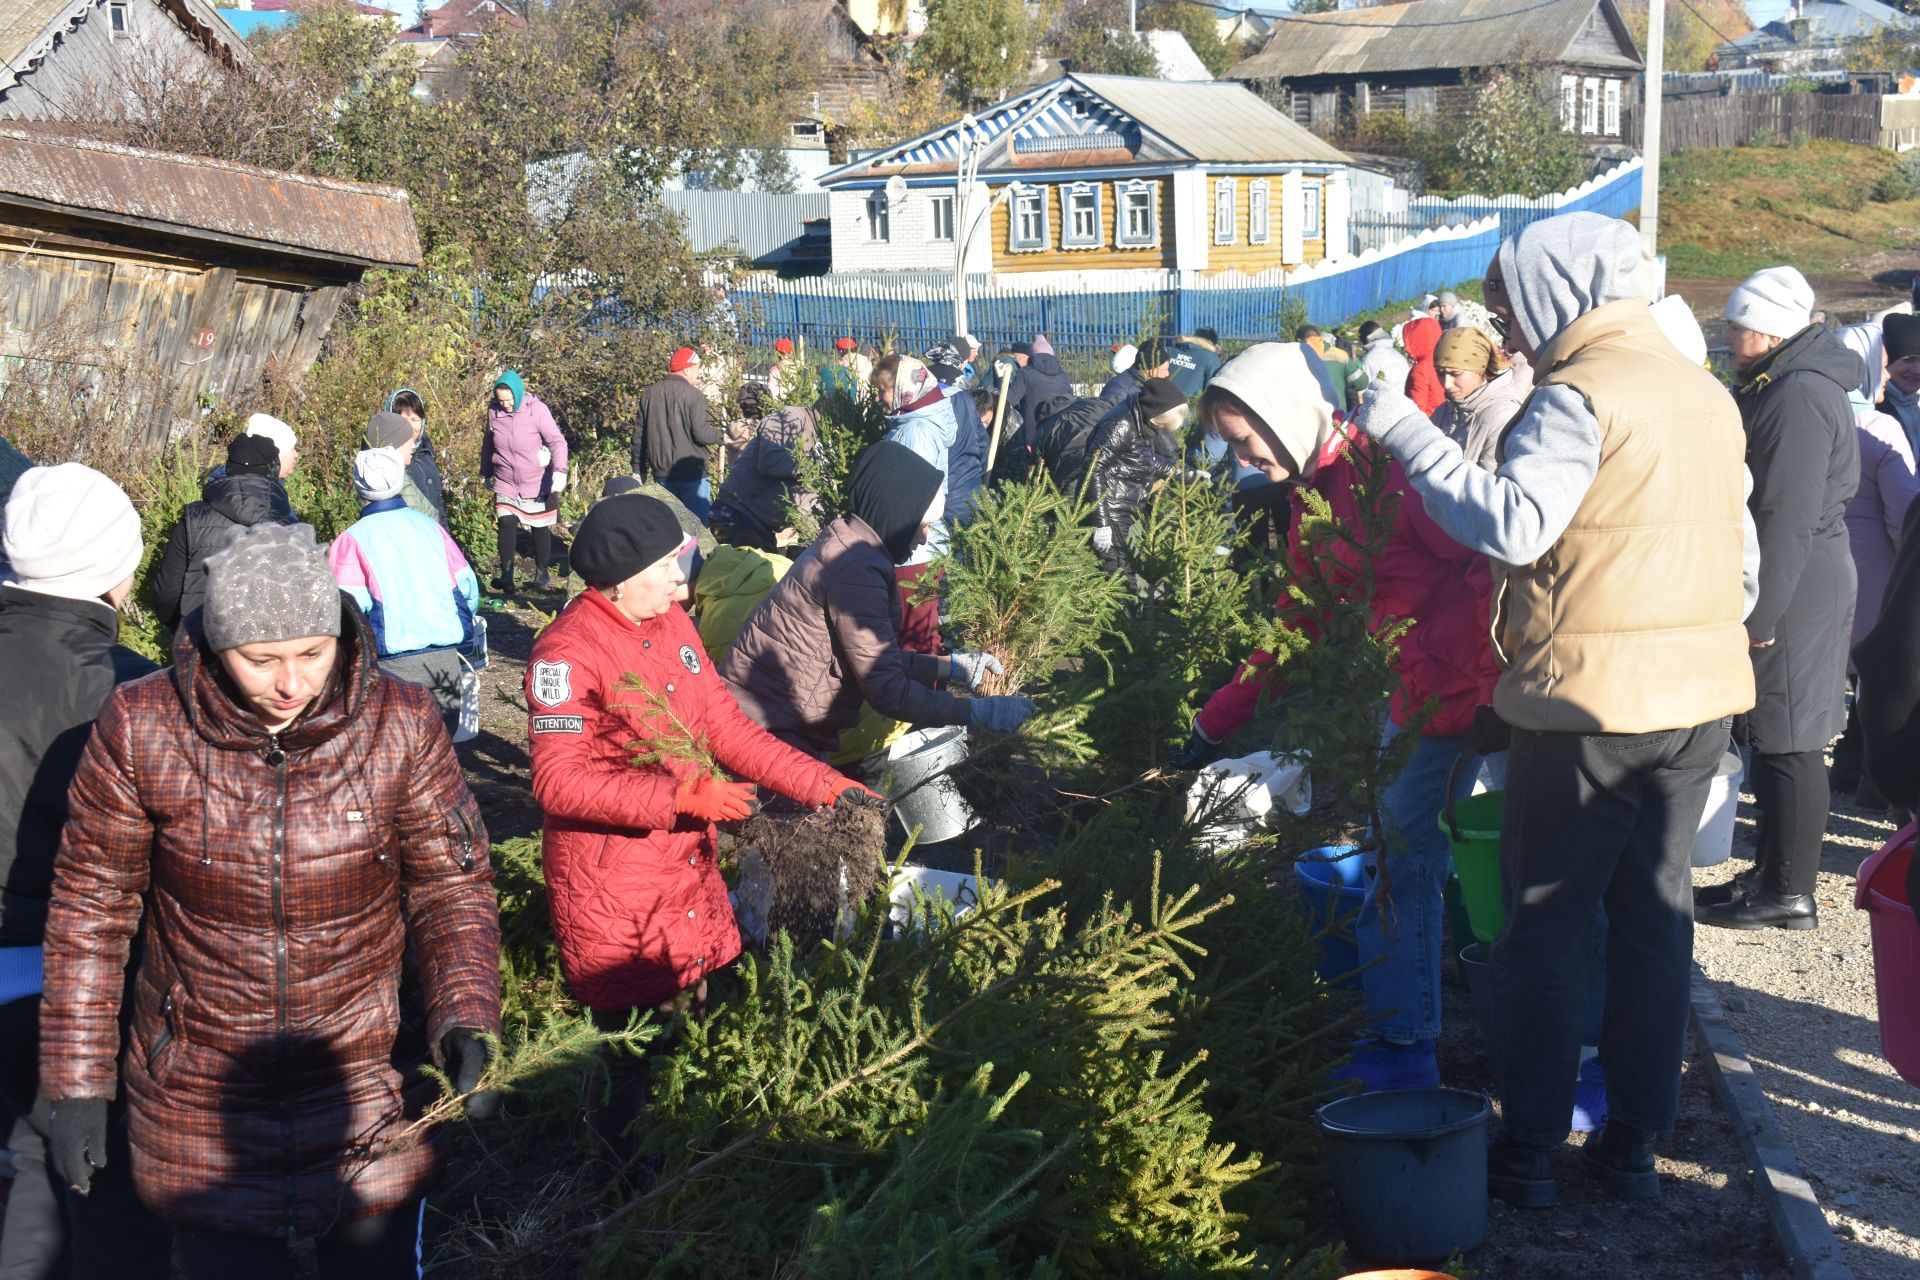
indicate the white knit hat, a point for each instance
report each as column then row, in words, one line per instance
column 71, row 532
column 1124, row 356
column 378, row 473
column 270, row 427
column 1676, row 321
column 1777, row 302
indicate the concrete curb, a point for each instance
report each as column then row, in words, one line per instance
column 1799, row 1224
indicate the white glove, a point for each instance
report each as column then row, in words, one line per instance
column 1384, row 407
column 969, row 667
column 1103, row 539
column 559, row 482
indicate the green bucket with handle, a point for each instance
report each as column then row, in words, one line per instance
column 1472, row 828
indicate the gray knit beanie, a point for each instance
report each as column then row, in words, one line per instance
column 269, row 582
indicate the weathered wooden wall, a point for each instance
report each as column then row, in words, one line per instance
column 200, row 329
column 1700, row 123
column 90, row 69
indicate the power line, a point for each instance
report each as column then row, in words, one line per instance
column 1322, row 20
column 1724, row 37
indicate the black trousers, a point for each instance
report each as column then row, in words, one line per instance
column 1592, row 820
column 387, row 1247
column 507, row 535
column 51, row 1232
column 1793, row 797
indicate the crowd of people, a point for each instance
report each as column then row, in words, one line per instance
column 247, row 898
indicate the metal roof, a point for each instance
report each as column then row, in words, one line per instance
column 1121, row 119
column 198, row 198
column 1429, row 35
column 760, row 225
column 1828, row 22
column 29, row 28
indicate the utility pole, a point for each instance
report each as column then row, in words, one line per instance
column 1650, row 125
column 1133, row 17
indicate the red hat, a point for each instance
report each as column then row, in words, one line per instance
column 683, row 359
column 784, row 346
column 846, row 344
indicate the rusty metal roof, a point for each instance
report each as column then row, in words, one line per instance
column 29, row 28
column 1433, row 35
column 198, row 198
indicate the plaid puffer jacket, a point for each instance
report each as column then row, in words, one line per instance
column 318, row 915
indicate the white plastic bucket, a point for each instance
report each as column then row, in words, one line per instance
column 936, row 808
column 957, row 887
column 1713, row 844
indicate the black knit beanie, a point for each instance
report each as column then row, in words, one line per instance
column 1902, row 336
column 623, row 535
column 253, row 456
column 1157, row 395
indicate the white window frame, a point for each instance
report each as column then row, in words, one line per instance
column 940, row 210
column 1590, row 105
column 1071, row 236
column 1259, row 211
column 1123, row 234
column 1016, row 215
column 1611, row 106
column 1569, row 102
column 119, row 21
column 1313, row 223
column 1225, row 212
column 879, row 219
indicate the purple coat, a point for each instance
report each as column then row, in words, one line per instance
column 510, row 453
column 1888, row 486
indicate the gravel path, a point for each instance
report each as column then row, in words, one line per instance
column 1803, row 1005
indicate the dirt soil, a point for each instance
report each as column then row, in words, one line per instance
column 1803, row 1006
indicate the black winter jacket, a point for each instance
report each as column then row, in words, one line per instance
column 1888, row 659
column 424, row 471
column 66, row 648
column 1123, row 386
column 1126, row 465
column 226, row 503
column 1042, row 379
column 1804, row 453
column 673, row 431
column 1063, row 437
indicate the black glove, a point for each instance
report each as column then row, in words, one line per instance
column 859, row 798
column 1490, row 733
column 78, row 1139
column 1200, row 750
column 466, row 1056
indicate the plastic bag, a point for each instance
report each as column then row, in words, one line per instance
column 1234, row 797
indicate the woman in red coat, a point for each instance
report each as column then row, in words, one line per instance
column 1421, row 338
column 639, row 907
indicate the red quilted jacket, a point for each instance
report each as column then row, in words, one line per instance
column 1423, row 575
column 318, row 915
column 639, row 908
column 1421, row 338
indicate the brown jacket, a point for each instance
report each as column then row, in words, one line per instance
column 826, row 639
column 1630, row 623
column 318, row 915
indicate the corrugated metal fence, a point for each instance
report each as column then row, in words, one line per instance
column 1088, row 311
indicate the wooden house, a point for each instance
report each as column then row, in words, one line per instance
column 1329, row 71
column 1107, row 172
column 200, row 272
column 82, row 59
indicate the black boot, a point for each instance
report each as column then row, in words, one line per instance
column 1867, row 797
column 1763, row 910
column 1623, row 1157
column 1521, row 1174
column 1740, row 886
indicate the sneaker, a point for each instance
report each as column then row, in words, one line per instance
column 1522, row 1175
column 1380, row 1066
column 1622, row 1156
column 1590, row 1097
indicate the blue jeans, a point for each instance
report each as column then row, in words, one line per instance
column 1400, row 954
column 695, row 495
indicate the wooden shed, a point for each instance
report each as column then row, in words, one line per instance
column 199, row 270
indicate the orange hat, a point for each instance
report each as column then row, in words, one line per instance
column 683, row 359
column 846, row 344
column 784, row 346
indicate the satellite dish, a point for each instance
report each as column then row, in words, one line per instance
column 896, row 189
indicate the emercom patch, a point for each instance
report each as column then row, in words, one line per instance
column 559, row 724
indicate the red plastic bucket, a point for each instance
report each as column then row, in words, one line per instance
column 1881, row 892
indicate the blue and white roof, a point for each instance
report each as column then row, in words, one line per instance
column 1088, row 120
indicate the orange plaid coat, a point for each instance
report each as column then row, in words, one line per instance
column 318, row 914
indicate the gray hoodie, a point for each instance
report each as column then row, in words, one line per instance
column 1555, row 271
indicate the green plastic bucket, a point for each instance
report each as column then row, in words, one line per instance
column 1472, row 828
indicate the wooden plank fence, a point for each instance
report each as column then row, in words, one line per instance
column 1738, row 120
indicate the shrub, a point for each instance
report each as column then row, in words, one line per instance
column 1902, row 182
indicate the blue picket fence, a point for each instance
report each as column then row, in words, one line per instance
column 1614, row 193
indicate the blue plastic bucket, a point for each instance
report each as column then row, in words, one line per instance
column 1410, row 1170
column 1332, row 888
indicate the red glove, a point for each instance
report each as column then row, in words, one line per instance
column 843, row 790
column 711, row 800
